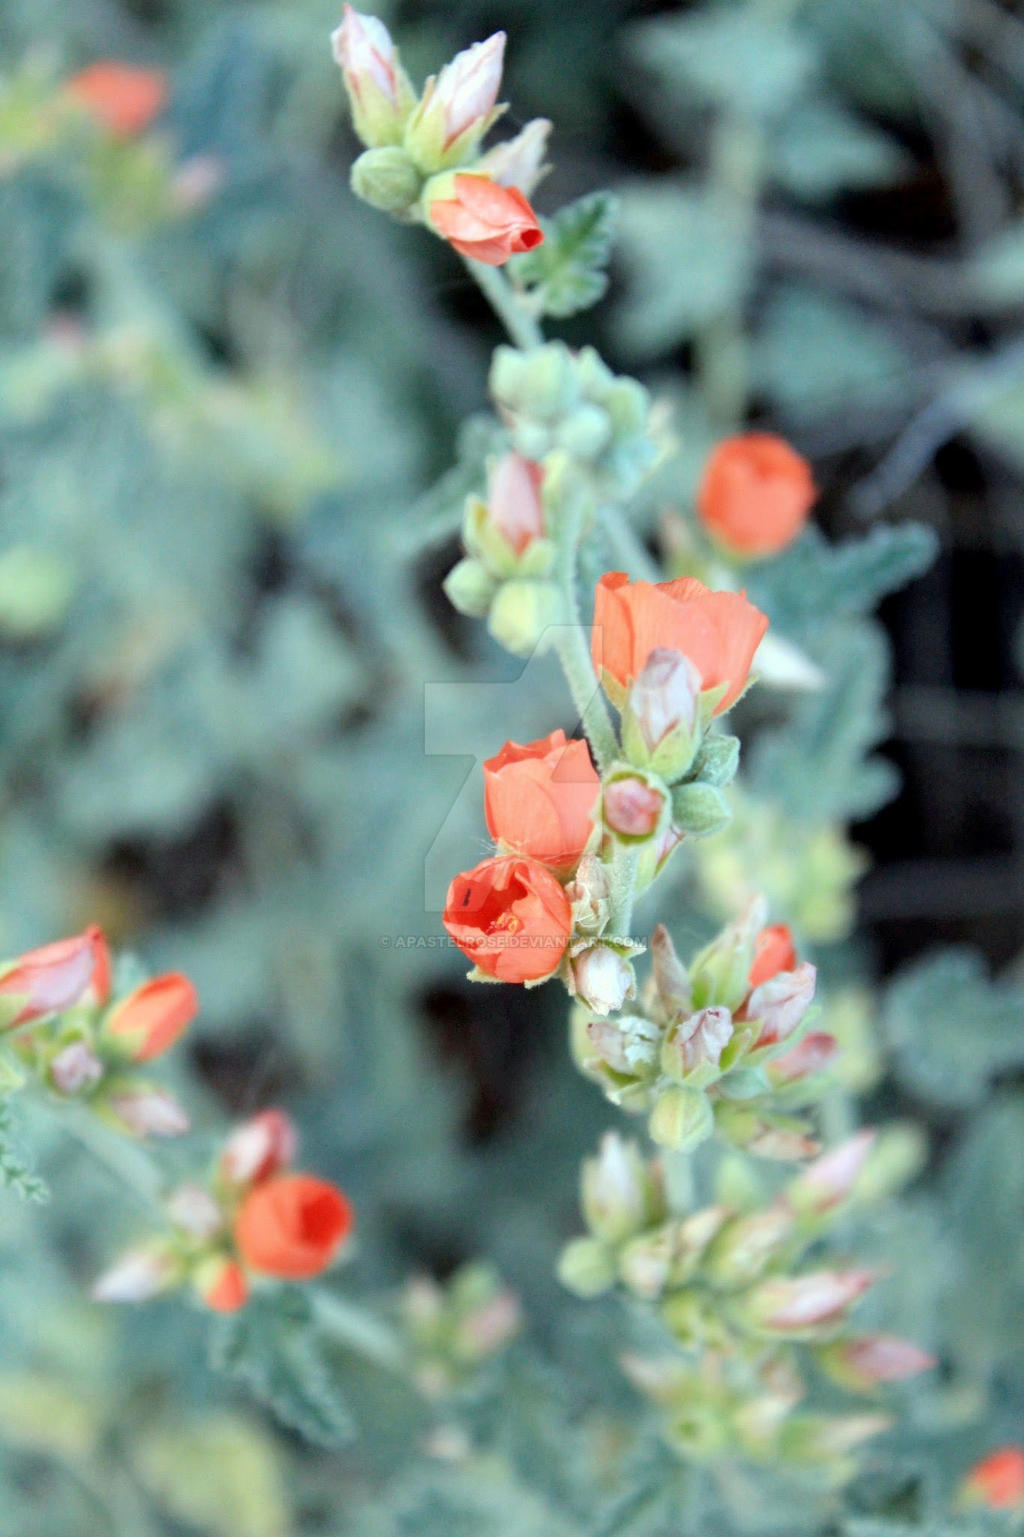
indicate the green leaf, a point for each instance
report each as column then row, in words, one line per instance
column 817, row 767
column 273, row 1347
column 814, row 580
column 952, row 1029
column 996, row 273
column 821, row 147
column 567, row 273
column 726, row 56
column 17, row 1165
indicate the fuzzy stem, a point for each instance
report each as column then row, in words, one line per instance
column 623, row 883
column 521, row 326
column 357, row 1329
column 571, row 641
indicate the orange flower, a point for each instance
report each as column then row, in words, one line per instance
column 538, row 799
column 292, row 1226
column 484, row 221
column 717, row 631
column 755, row 494
column 511, row 917
column 774, row 951
column 151, row 1019
column 54, row 977
column 123, row 99
column 998, row 1480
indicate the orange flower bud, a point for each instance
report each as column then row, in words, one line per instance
column 755, row 494
column 222, row 1285
column 717, row 631
column 122, row 99
column 258, row 1148
column 52, row 978
column 511, row 917
column 292, row 1226
column 151, row 1019
column 538, row 799
column 774, row 951
column 484, row 221
column 632, row 807
column 514, row 501
column 998, row 1479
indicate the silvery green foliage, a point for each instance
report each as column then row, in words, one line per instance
column 217, row 617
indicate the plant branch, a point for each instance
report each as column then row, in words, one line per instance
column 520, row 324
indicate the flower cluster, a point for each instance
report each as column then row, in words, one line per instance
column 453, row 1328
column 720, row 1045
column 733, row 1279
column 423, row 159
column 81, row 1038
column 251, row 1219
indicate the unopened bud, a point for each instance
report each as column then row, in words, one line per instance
column 717, row 760
column 586, row 1267
column 505, row 530
column 897, row 1155
column 457, row 107
column 628, row 1045
column 470, row 588
column 386, row 179
column 193, row 1209
column 634, row 806
column 721, row 971
column 830, row 1179
column 997, row 1480
column 747, row 1244
column 700, row 809
column 519, row 162
column 681, row 1119
column 258, row 1148
column 75, row 1069
column 221, row 1284
column 603, row 978
column 143, row 1110
column 671, row 979
column 781, row 1003
column 620, row 1191
column 137, row 1275
column 813, row 1055
column 378, row 88
column 807, row 1306
column 589, row 892
column 661, row 720
column 873, row 1361
column 693, row 1048
column 522, row 612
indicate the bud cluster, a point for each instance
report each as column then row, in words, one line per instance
column 81, row 1034
column 734, row 1281
column 719, row 1046
column 423, row 158
column 248, row 1219
column 557, row 400
column 454, row 1328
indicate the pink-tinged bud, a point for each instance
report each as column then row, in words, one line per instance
column 695, row 1045
column 997, row 1480
column 193, row 1209
column 378, row 88
column 633, row 808
column 100, row 985
column 488, row 1327
column 832, row 1436
column 75, row 1069
column 781, row 1003
column 661, row 721
column 628, row 1045
column 830, row 1179
column 671, row 979
column 457, row 107
column 146, row 1111
column 589, row 893
column 603, row 979
column 258, row 1148
column 220, row 1282
column 137, row 1276
column 874, row 1360
column 149, row 1021
column 621, row 1191
column 50, row 979
column 803, row 1307
column 514, row 501
column 519, row 162
column 814, row 1054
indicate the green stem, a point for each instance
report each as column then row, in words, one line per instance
column 129, row 1163
column 357, row 1329
column 571, row 640
column 623, row 883
column 521, row 326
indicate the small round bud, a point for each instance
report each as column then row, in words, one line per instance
column 521, row 612
column 470, row 588
column 386, row 179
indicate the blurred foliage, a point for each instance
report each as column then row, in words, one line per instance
column 224, row 391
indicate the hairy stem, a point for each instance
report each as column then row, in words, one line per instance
column 521, row 326
column 571, row 640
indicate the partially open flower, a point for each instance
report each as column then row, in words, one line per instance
column 50, row 979
column 718, row 632
column 755, row 494
column 125, row 100
column 539, row 799
column 149, row 1021
column 511, row 917
column 292, row 1226
column 258, row 1148
column 481, row 219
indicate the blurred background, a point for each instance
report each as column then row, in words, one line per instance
column 230, row 398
